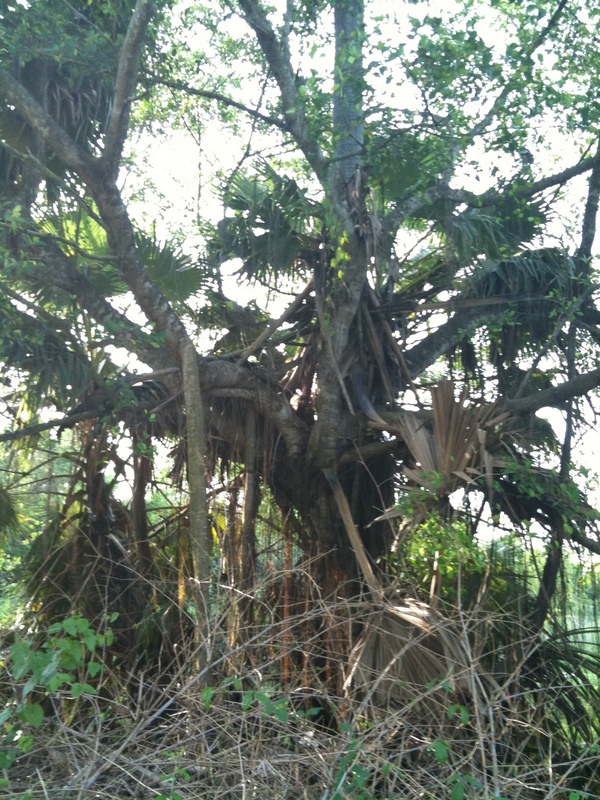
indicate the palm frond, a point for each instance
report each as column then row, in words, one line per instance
column 455, row 451
column 55, row 371
column 496, row 232
column 409, row 655
column 176, row 274
column 535, row 274
column 273, row 224
column 9, row 514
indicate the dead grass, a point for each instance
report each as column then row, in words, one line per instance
column 420, row 718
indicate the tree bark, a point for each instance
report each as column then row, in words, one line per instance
column 198, row 510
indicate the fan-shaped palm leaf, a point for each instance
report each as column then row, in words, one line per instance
column 55, row 371
column 455, row 452
column 273, row 224
column 176, row 274
column 409, row 655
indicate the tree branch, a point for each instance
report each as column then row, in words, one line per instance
column 588, row 226
column 34, row 430
column 220, row 98
column 438, row 343
column 508, row 88
column 557, row 395
column 348, row 115
column 127, row 73
column 49, row 130
column 275, row 324
column 558, row 179
column 280, row 65
column 585, row 541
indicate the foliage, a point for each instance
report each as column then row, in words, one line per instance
column 278, row 491
column 48, row 671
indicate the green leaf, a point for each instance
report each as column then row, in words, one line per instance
column 281, row 711
column 56, row 627
column 20, row 653
column 89, row 640
column 440, row 750
column 94, row 668
column 26, row 743
column 7, row 758
column 456, row 710
column 247, row 700
column 77, row 689
column 32, row 714
column 207, row 696
column 30, row 685
column 458, row 791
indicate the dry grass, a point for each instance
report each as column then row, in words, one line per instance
column 420, row 718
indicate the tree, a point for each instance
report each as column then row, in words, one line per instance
column 411, row 277
column 430, row 321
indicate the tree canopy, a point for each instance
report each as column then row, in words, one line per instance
column 408, row 197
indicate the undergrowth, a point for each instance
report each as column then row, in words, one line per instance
column 265, row 719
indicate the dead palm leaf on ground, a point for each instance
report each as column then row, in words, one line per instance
column 406, row 655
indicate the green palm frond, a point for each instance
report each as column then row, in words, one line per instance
column 176, row 274
column 53, row 370
column 496, row 232
column 273, row 223
column 84, row 241
column 540, row 281
column 535, row 274
column 9, row 515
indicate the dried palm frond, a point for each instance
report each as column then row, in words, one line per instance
column 457, row 449
column 406, row 654
column 411, row 655
column 455, row 452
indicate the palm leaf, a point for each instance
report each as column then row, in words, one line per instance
column 410, row 655
column 176, row 274
column 495, row 232
column 454, row 452
column 9, row 515
column 56, row 372
column 272, row 225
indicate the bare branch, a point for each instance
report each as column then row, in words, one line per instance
column 558, row 179
column 557, row 395
column 275, row 324
column 588, row 227
column 34, row 430
column 127, row 73
column 440, row 191
column 438, row 343
column 593, row 545
column 220, row 98
column 508, row 88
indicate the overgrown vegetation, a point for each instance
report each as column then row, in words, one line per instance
column 312, row 540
